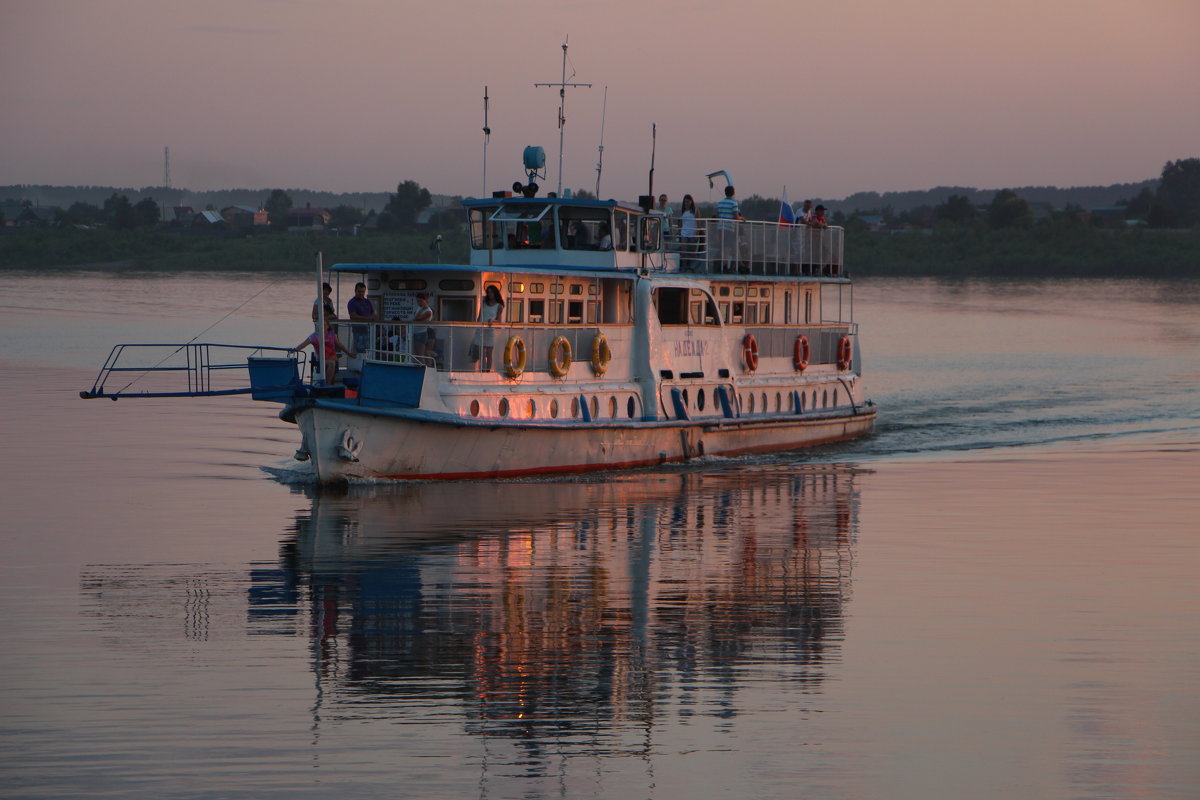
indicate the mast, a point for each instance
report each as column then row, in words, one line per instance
column 600, row 163
column 320, row 348
column 487, row 135
column 562, row 103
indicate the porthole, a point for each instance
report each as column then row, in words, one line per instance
column 764, row 403
column 700, row 399
column 532, row 408
column 791, row 401
column 835, row 398
column 684, row 395
column 802, row 398
column 825, row 399
column 612, row 407
column 554, row 409
column 595, row 408
column 574, row 407
column 504, row 406
column 474, row 408
column 778, row 402
column 630, row 408
column 813, row 404
column 751, row 402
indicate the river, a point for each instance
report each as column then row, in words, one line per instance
column 994, row 596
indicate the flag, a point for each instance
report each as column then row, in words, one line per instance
column 786, row 215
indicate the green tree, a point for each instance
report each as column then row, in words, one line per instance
column 146, row 211
column 955, row 210
column 80, row 213
column 404, row 206
column 1008, row 210
column 1179, row 191
column 277, row 205
column 119, row 213
column 345, row 216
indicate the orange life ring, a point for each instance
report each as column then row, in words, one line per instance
column 559, row 356
column 750, row 352
column 514, row 357
column 601, row 354
column 845, row 353
column 801, row 353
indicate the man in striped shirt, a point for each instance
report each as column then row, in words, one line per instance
column 728, row 211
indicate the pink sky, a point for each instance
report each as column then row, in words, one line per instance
column 827, row 98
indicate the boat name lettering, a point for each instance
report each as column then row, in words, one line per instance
column 691, row 348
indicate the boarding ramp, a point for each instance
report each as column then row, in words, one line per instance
column 197, row 370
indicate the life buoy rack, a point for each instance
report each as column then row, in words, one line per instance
column 559, row 356
column 845, row 353
column 801, row 353
column 750, row 352
column 601, row 355
column 514, row 357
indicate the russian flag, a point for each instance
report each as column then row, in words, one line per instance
column 786, row 215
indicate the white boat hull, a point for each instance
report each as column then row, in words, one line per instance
column 351, row 443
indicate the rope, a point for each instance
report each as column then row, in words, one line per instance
column 197, row 336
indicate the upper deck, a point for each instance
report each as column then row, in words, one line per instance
column 520, row 233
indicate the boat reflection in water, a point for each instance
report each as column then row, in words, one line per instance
column 591, row 609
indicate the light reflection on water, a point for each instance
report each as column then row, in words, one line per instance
column 557, row 640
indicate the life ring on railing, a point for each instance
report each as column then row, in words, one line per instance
column 559, row 356
column 845, row 353
column 801, row 353
column 514, row 357
column 601, row 355
column 750, row 352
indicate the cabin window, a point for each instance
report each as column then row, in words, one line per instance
column 575, row 288
column 516, row 287
column 621, row 235
column 537, row 288
column 787, row 308
column 739, row 314
column 752, row 313
column 765, row 291
column 582, row 228
column 671, row 303
column 764, row 313
column 630, row 408
column 515, row 309
column 537, row 311
column 593, row 312
column 556, row 288
column 478, row 219
column 808, row 304
column 556, row 309
column 650, row 238
column 575, row 312
column 752, row 292
column 593, row 289
column 456, row 309
column 723, row 291
column 738, row 291
column 725, row 312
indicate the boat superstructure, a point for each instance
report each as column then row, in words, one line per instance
column 649, row 350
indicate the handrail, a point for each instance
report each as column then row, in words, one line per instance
column 759, row 248
column 202, row 365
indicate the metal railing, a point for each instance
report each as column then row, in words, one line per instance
column 180, row 370
column 464, row 347
column 758, row 248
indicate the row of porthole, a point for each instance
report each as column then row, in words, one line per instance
column 527, row 408
column 748, row 400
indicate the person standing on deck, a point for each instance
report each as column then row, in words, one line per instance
column 330, row 311
column 728, row 211
column 332, row 346
column 361, row 310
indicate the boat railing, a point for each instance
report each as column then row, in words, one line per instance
column 193, row 370
column 775, row 341
column 459, row 347
column 758, row 248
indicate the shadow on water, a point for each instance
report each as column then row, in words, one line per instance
column 580, row 612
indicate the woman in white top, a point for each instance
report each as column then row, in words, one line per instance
column 485, row 338
column 687, row 232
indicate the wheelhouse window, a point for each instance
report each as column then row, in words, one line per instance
column 525, row 226
column 650, row 238
column 480, row 227
column 583, row 228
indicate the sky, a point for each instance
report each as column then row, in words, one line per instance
column 821, row 99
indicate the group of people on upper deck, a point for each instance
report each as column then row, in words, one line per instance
column 729, row 209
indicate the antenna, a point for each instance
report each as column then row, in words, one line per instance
column 653, row 148
column 562, row 103
column 167, row 167
column 600, row 163
column 487, row 135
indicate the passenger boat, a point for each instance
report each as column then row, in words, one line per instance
column 655, row 350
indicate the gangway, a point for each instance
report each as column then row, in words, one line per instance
column 197, row 370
